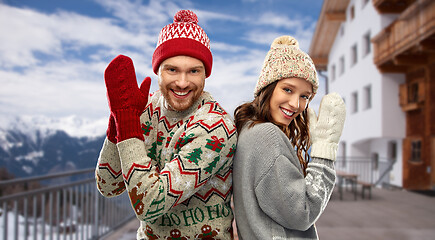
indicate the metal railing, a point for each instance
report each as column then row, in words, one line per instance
column 73, row 210
column 373, row 171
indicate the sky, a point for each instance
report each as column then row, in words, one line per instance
column 53, row 53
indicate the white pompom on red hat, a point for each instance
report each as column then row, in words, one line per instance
column 183, row 37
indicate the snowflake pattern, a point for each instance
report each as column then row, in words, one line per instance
column 189, row 184
column 209, row 156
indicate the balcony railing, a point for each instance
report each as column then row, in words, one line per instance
column 372, row 171
column 76, row 210
column 73, row 210
column 411, row 33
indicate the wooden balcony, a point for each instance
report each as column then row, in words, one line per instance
column 408, row 41
column 391, row 6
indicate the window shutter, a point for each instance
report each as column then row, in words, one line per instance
column 406, row 149
column 421, row 90
column 403, row 95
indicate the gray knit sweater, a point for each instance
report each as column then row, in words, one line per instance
column 272, row 199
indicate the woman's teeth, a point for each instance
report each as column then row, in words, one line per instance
column 286, row 112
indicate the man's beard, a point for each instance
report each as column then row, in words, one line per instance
column 180, row 104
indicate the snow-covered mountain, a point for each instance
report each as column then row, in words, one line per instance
column 72, row 125
column 38, row 145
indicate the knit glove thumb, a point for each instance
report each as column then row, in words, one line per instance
column 126, row 100
column 326, row 129
column 111, row 129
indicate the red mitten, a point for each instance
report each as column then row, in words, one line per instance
column 111, row 129
column 126, row 100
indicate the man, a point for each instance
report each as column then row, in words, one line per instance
column 175, row 150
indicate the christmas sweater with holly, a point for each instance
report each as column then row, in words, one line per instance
column 179, row 179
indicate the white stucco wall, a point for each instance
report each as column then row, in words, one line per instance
column 368, row 130
column 393, row 119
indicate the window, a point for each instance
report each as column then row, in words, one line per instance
column 375, row 161
column 412, row 94
column 364, row 3
column 416, row 151
column 366, row 44
column 333, row 72
column 354, row 102
column 342, row 30
column 368, row 97
column 341, row 65
column 352, row 12
column 392, row 150
column 343, row 153
column 354, row 54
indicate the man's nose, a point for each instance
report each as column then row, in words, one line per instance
column 182, row 81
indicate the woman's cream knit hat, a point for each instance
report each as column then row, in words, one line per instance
column 286, row 60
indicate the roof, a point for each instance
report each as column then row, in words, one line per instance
column 333, row 13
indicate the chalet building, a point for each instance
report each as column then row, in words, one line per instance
column 380, row 56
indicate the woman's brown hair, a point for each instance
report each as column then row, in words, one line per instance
column 258, row 111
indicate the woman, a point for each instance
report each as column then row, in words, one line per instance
column 278, row 192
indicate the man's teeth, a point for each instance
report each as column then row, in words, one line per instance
column 181, row 93
column 286, row 112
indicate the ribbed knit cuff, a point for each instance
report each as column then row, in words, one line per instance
column 324, row 150
column 128, row 124
column 111, row 130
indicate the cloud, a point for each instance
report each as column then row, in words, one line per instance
column 33, row 33
column 40, row 68
column 271, row 25
column 83, row 31
column 234, row 77
column 206, row 16
column 140, row 17
column 221, row 46
column 53, row 63
column 275, row 20
column 27, row 33
column 53, row 90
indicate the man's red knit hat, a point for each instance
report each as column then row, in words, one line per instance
column 183, row 37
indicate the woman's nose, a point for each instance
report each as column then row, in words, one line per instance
column 294, row 102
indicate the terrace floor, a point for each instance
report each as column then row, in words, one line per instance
column 389, row 214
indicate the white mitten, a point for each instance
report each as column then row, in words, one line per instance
column 326, row 129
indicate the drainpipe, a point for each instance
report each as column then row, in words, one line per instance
column 326, row 81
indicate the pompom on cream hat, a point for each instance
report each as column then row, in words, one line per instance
column 286, row 60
